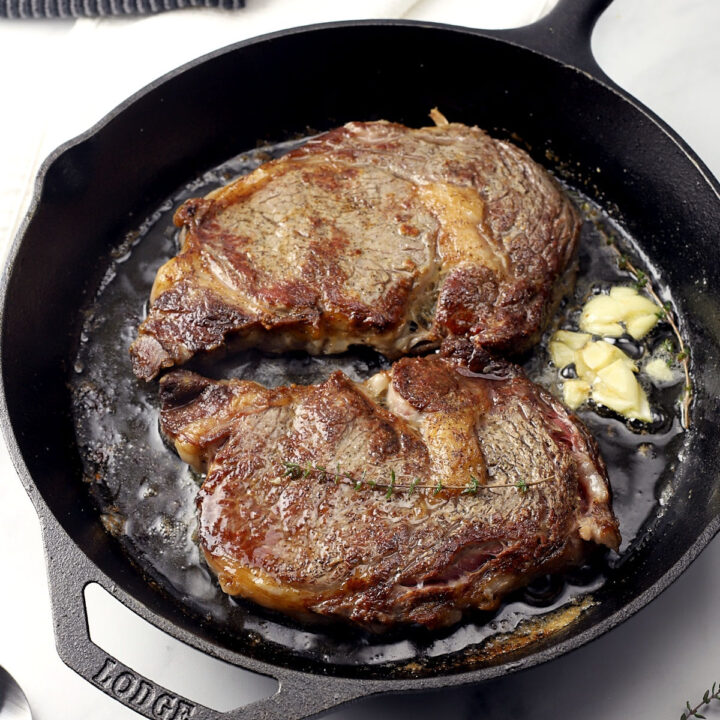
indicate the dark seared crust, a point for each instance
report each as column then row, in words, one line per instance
column 313, row 545
column 370, row 234
column 538, row 228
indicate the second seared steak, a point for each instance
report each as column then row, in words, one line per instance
column 372, row 234
column 432, row 488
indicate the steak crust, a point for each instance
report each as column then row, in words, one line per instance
column 372, row 234
column 435, row 487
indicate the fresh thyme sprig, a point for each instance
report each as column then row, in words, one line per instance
column 360, row 482
column 472, row 488
column 391, row 486
column 642, row 282
column 641, row 279
column 297, row 470
column 712, row 694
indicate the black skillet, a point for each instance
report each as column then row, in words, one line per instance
column 539, row 83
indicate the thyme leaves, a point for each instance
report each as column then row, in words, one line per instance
column 642, row 281
column 472, row 487
column 296, row 471
column 391, row 486
column 709, row 696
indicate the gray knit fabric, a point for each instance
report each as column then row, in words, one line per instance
column 102, row 8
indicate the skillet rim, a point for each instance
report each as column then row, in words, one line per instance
column 52, row 526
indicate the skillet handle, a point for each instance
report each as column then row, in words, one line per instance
column 563, row 34
column 299, row 695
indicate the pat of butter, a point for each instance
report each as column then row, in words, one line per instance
column 561, row 354
column 575, row 393
column 606, row 315
column 600, row 354
column 574, row 340
column 659, row 370
column 605, row 374
column 602, row 315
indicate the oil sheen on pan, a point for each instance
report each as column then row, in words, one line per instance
column 145, row 494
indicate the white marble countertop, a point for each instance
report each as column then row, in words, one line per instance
column 665, row 52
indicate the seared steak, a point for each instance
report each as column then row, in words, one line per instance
column 434, row 487
column 371, row 234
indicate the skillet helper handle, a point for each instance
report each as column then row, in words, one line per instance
column 563, row 34
column 70, row 571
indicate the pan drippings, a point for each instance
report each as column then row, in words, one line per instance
column 145, row 494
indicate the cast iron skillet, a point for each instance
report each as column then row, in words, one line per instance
column 539, row 82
